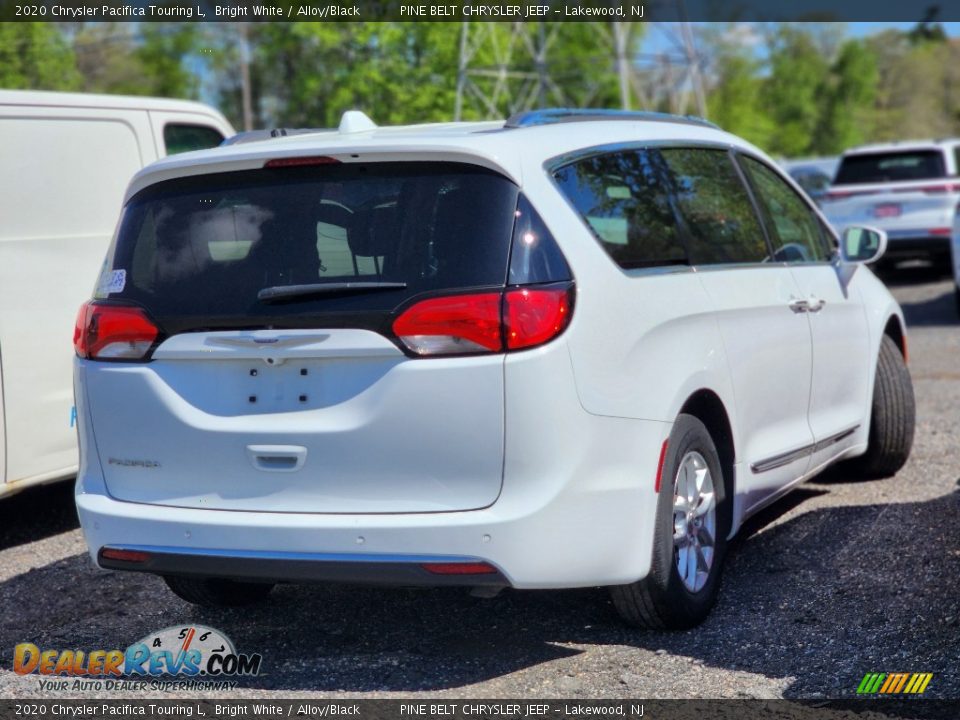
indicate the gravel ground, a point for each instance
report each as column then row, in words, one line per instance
column 839, row 579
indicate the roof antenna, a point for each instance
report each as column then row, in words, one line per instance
column 355, row 121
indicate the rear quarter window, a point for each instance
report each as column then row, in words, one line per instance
column 622, row 198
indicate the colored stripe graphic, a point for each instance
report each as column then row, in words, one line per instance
column 894, row 683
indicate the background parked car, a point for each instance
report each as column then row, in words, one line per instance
column 814, row 175
column 909, row 189
column 67, row 159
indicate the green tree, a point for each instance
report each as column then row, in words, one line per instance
column 793, row 91
column 308, row 74
column 163, row 51
column 847, row 110
column 35, row 56
column 735, row 99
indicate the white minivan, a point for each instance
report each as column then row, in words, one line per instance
column 577, row 348
column 66, row 161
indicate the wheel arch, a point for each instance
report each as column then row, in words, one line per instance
column 895, row 331
column 708, row 408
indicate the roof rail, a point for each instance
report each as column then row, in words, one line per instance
column 257, row 135
column 552, row 116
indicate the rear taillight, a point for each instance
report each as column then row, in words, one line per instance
column 452, row 325
column 935, row 189
column 113, row 332
column 532, row 317
column 835, row 195
column 487, row 322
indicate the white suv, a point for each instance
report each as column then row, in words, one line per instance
column 575, row 349
column 909, row 189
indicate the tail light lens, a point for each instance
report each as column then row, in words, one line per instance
column 452, row 325
column 112, row 332
column 533, row 317
column 486, row 322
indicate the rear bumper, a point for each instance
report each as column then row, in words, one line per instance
column 582, row 536
column 908, row 244
column 303, row 567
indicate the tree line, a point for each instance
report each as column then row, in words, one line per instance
column 794, row 89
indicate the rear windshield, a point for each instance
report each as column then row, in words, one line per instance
column 891, row 167
column 198, row 252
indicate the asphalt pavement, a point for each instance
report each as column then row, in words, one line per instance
column 839, row 579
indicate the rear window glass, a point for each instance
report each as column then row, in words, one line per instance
column 891, row 167
column 204, row 247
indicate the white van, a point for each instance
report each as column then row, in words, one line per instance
column 66, row 162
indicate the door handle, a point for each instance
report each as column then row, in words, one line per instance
column 799, row 306
column 815, row 304
column 277, row 458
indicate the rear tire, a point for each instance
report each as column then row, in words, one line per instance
column 664, row 600
column 892, row 417
column 217, row 592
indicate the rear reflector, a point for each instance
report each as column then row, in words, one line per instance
column 659, row 477
column 113, row 332
column 130, row 556
column 479, row 568
column 300, row 161
column 486, row 322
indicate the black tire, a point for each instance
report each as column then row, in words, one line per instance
column 661, row 601
column 892, row 417
column 217, row 592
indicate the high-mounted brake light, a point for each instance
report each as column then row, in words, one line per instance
column 112, row 332
column 300, row 161
column 487, row 322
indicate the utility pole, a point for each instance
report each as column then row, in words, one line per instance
column 245, row 94
column 621, row 34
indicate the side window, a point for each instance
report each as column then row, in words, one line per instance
column 715, row 207
column 622, row 198
column 179, row 138
column 794, row 229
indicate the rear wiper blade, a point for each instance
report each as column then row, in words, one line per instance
column 290, row 292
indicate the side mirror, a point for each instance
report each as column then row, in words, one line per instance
column 861, row 244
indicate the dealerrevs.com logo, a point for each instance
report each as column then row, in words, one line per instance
column 190, row 657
